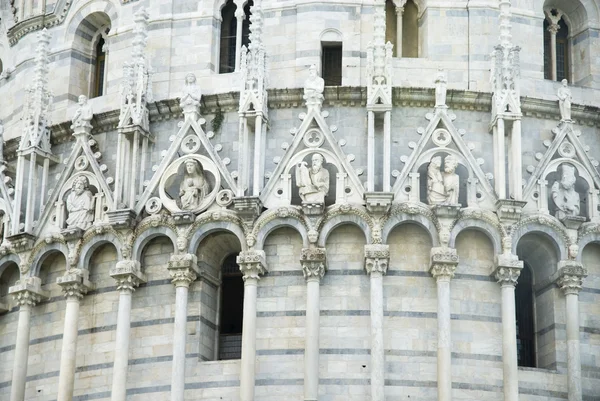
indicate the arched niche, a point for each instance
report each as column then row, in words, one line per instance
column 9, row 275
column 409, row 235
column 99, row 206
column 560, row 175
column 476, row 250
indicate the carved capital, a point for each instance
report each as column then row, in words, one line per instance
column 443, row 262
column 570, row 276
column 506, row 275
column 183, row 269
column 252, row 264
column 314, row 263
column 377, row 258
column 128, row 275
column 28, row 291
column 75, row 283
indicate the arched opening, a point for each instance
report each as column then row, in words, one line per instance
column 89, row 68
column 538, row 301
column 391, row 25
column 232, row 309
column 525, row 316
column 410, row 30
column 1, row 67
column 229, row 41
column 557, row 62
column 8, row 277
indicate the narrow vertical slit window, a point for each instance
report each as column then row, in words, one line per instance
column 228, row 38
column 331, row 64
column 524, row 309
column 232, row 308
column 99, row 67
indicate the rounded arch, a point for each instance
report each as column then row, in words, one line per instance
column 149, row 234
column 39, row 257
column 204, row 230
column 336, row 221
column 88, row 249
column 493, row 234
column 100, row 11
column 405, row 218
column 331, row 35
column 557, row 239
column 590, row 238
column 7, row 260
column 220, row 4
column 281, row 222
column 578, row 14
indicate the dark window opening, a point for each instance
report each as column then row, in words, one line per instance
column 562, row 51
column 228, row 43
column 232, row 307
column 524, row 304
column 99, row 66
column 331, row 64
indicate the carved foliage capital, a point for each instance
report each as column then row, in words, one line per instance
column 314, row 263
column 443, row 262
column 377, row 258
column 252, row 264
column 183, row 269
column 27, row 291
column 507, row 275
column 75, row 283
column 570, row 276
column 128, row 275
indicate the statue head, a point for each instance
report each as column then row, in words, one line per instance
column 312, row 71
column 190, row 79
column 194, row 167
column 441, row 76
column 82, row 100
column 80, row 184
column 317, row 161
column 564, row 82
column 567, row 177
column 436, row 161
column 450, row 164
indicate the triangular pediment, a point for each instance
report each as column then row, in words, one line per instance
column 314, row 136
column 442, row 138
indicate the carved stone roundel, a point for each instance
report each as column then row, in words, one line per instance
column 153, row 205
column 314, row 138
column 190, row 144
column 566, row 149
column 81, row 163
column 224, row 197
column 169, row 188
column 441, row 137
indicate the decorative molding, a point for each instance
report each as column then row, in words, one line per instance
column 314, row 263
column 75, row 283
column 443, row 262
column 570, row 276
column 28, row 291
column 252, row 264
column 128, row 275
column 183, row 269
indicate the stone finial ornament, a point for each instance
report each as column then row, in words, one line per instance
column 564, row 101
column 313, row 88
column 80, row 205
column 564, row 195
column 83, row 115
column 194, row 187
column 313, row 183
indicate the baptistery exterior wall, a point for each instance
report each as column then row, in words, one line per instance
column 374, row 294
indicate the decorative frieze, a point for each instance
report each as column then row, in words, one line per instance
column 252, row 264
column 570, row 276
column 28, row 291
column 377, row 258
column 443, row 262
column 128, row 275
column 75, row 283
column 314, row 263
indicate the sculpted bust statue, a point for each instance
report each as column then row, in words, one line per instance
column 80, row 205
column 83, row 115
column 313, row 88
column 194, row 187
column 313, row 183
column 564, row 195
column 564, row 101
column 190, row 98
column 443, row 188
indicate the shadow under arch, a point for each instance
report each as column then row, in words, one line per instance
column 557, row 240
column 8, row 260
column 43, row 254
column 201, row 232
column 587, row 239
column 105, row 7
column 405, row 218
column 148, row 235
column 493, row 234
column 281, row 222
column 96, row 242
column 336, row 221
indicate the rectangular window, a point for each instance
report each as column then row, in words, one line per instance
column 331, row 64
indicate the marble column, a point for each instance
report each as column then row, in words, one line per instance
column 377, row 259
column 553, row 29
column 183, row 270
column 399, row 15
column 128, row 276
column 508, row 269
column 27, row 293
column 240, row 16
column 252, row 265
column 314, row 265
column 570, row 278
column 74, row 285
column 443, row 265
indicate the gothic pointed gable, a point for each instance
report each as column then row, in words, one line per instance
column 441, row 137
column 313, row 136
column 565, row 148
column 193, row 143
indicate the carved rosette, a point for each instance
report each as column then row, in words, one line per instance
column 570, row 276
column 377, row 258
column 252, row 265
column 314, row 263
column 443, row 263
column 75, row 283
column 183, row 269
column 128, row 275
